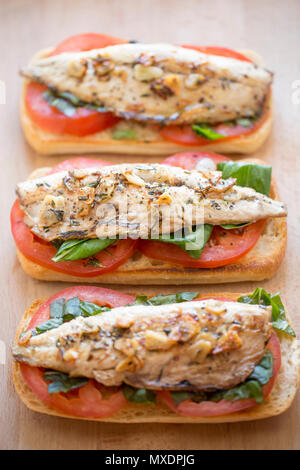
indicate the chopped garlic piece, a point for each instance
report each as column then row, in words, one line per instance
column 145, row 73
column 155, row 340
column 134, row 179
column 52, row 210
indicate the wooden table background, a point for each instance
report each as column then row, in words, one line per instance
column 270, row 27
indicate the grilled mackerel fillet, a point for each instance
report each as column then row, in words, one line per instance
column 136, row 201
column 203, row 345
column 158, row 82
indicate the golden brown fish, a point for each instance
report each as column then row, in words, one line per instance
column 203, row 345
column 137, row 200
column 158, row 82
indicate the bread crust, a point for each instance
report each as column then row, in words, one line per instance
column 259, row 264
column 278, row 401
column 47, row 143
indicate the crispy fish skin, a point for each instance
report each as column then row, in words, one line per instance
column 158, row 82
column 198, row 345
column 136, row 200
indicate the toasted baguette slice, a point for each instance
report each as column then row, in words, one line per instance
column 259, row 264
column 278, row 401
column 150, row 142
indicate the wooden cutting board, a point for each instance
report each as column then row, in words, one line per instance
column 269, row 27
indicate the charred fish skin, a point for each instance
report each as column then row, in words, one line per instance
column 123, row 200
column 199, row 345
column 158, row 82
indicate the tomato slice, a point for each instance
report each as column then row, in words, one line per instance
column 189, row 160
column 86, row 42
column 184, row 135
column 41, row 252
column 84, row 121
column 98, row 295
column 216, row 50
column 87, row 401
column 224, row 407
column 77, row 163
column 224, row 247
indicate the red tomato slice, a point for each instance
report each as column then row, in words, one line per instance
column 224, row 247
column 97, row 295
column 185, row 135
column 41, row 252
column 78, row 163
column 87, row 401
column 86, row 42
column 83, row 122
column 188, row 160
column 220, row 249
column 222, row 51
column 224, row 407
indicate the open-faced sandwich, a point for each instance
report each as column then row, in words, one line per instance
column 97, row 93
column 84, row 221
column 95, row 353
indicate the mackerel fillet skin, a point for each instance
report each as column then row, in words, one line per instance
column 158, row 82
column 200, row 345
column 136, row 200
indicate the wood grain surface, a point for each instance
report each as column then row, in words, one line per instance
column 269, row 27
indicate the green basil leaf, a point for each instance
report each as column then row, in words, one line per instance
column 232, row 226
column 56, row 308
column 67, row 95
column 173, row 298
column 206, row 131
column 264, row 370
column 60, row 382
column 262, row 297
column 71, row 309
column 48, row 325
column 59, row 103
column 141, row 300
column 62, row 311
column 193, row 243
column 248, row 389
column 165, row 299
column 95, row 107
column 89, row 309
column 124, row 134
column 248, row 175
column 67, row 102
column 139, row 395
column 179, row 396
column 78, row 249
